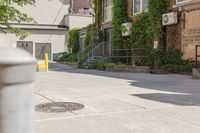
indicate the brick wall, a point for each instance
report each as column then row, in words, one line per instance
column 190, row 33
column 186, row 35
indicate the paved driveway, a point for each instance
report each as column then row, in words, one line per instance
column 118, row 102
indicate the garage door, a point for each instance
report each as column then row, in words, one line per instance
column 41, row 49
column 28, row 46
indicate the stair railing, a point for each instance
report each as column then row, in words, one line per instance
column 91, row 51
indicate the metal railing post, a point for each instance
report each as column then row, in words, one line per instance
column 196, row 56
column 17, row 74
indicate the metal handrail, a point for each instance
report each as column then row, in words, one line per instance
column 94, row 52
column 85, row 54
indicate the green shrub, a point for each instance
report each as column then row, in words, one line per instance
column 181, row 68
column 68, row 57
column 171, row 56
column 99, row 65
column 171, row 60
column 110, row 65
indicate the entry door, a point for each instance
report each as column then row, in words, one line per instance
column 28, row 46
column 41, row 49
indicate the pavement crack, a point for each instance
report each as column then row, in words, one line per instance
column 37, row 93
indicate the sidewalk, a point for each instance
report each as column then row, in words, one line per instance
column 118, row 102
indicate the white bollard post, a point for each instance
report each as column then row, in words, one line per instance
column 17, row 74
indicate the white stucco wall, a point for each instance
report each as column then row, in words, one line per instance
column 78, row 21
column 56, row 38
column 46, row 11
column 49, row 14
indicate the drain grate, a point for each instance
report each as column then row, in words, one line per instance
column 58, row 107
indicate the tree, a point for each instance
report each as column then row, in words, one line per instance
column 8, row 14
column 73, row 40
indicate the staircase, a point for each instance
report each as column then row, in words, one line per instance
column 91, row 53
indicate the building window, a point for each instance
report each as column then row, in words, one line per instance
column 140, row 6
column 181, row 1
column 108, row 10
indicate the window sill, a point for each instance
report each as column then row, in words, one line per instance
column 106, row 22
column 185, row 3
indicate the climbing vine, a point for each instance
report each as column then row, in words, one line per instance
column 156, row 8
column 120, row 15
column 140, row 35
column 93, row 35
column 98, row 12
column 148, row 25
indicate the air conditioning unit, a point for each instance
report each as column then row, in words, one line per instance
column 126, row 29
column 170, row 18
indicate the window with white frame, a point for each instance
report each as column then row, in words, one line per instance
column 181, row 1
column 139, row 6
column 108, row 10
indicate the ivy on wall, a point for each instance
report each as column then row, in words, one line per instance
column 93, row 35
column 120, row 15
column 140, row 36
column 93, row 31
column 156, row 8
column 98, row 12
column 148, row 25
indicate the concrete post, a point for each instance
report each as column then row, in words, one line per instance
column 17, row 73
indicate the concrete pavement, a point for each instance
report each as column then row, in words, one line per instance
column 118, row 102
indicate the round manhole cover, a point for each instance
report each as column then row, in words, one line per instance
column 58, row 107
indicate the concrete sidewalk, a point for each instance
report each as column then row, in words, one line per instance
column 118, row 102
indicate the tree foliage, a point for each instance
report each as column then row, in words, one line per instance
column 10, row 14
column 73, row 41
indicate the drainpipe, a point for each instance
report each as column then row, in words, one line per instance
column 17, row 74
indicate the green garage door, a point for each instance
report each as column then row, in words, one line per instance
column 41, row 49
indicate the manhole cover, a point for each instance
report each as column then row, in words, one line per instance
column 58, row 107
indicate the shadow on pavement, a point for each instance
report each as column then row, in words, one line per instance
column 174, row 89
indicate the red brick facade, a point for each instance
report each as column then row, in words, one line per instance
column 185, row 35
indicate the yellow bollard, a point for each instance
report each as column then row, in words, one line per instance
column 46, row 62
column 44, row 65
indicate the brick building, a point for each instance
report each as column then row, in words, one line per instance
column 184, row 35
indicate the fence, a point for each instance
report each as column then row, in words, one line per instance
column 137, row 56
